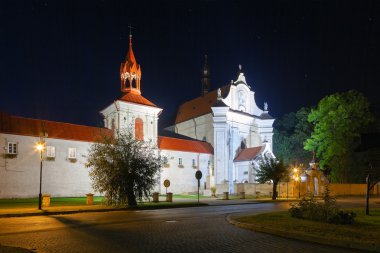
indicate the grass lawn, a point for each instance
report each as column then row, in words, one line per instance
column 364, row 234
column 33, row 202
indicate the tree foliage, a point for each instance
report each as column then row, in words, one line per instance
column 290, row 133
column 123, row 168
column 338, row 121
column 271, row 170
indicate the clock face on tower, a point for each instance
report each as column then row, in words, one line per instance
column 242, row 97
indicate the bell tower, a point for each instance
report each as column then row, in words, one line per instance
column 130, row 72
column 132, row 111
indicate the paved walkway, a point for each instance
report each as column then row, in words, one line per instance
column 20, row 212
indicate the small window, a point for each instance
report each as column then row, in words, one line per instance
column 12, row 148
column 72, row 153
column 193, row 163
column 50, row 151
column 245, row 172
column 208, row 163
column 179, row 161
column 165, row 160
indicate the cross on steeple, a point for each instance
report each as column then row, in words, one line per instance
column 130, row 30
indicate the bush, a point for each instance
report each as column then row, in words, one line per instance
column 326, row 211
column 342, row 217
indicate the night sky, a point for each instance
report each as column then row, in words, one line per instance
column 60, row 60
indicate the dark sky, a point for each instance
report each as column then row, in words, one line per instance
column 59, row 60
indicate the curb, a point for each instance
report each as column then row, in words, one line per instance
column 302, row 237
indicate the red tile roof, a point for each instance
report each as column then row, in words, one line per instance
column 58, row 130
column 248, row 154
column 169, row 143
column 199, row 106
column 136, row 99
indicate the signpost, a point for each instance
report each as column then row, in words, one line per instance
column 167, row 184
column 198, row 176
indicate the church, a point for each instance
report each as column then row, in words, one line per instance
column 222, row 133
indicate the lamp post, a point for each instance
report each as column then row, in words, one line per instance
column 40, row 147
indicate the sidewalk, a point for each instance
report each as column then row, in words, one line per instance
column 53, row 210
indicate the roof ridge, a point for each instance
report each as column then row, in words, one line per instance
column 53, row 121
column 185, row 139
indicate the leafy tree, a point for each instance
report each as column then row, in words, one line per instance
column 290, row 133
column 123, row 168
column 273, row 170
column 338, row 121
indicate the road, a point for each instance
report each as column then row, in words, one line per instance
column 198, row 229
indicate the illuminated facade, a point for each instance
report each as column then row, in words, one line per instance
column 223, row 133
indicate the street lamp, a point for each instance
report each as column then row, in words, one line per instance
column 40, row 147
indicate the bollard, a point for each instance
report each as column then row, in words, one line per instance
column 89, row 199
column 225, row 196
column 156, row 197
column 242, row 195
column 45, row 200
column 169, row 197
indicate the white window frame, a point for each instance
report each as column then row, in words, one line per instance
column 180, row 161
column 72, row 153
column 50, row 151
column 12, row 148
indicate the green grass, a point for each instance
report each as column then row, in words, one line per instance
column 366, row 230
column 33, row 202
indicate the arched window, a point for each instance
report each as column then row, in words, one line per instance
column 139, row 129
column 243, row 143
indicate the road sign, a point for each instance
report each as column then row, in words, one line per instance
column 198, row 174
column 167, row 183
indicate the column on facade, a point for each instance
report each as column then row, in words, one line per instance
column 221, row 151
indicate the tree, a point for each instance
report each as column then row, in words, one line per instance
column 123, row 168
column 290, row 133
column 338, row 121
column 271, row 170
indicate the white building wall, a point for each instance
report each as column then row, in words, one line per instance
column 182, row 178
column 125, row 114
column 20, row 176
column 197, row 128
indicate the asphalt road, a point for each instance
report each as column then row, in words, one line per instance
column 198, row 229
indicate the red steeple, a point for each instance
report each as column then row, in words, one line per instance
column 130, row 72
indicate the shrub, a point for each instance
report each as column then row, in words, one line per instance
column 326, row 211
column 342, row 217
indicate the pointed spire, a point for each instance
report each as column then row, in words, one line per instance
column 130, row 70
column 205, row 78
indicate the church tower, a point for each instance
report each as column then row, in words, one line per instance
column 130, row 72
column 205, row 78
column 132, row 111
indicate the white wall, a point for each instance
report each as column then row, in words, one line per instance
column 182, row 180
column 20, row 176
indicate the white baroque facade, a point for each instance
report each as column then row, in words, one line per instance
column 230, row 120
